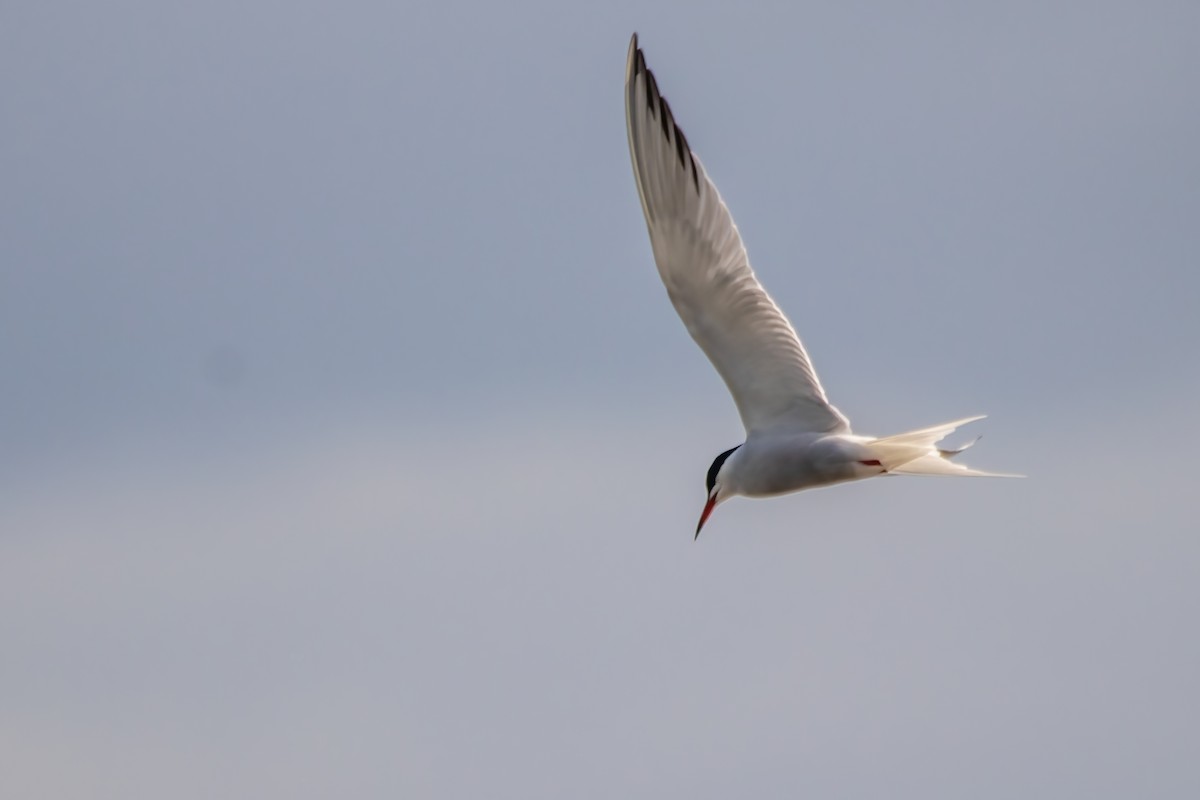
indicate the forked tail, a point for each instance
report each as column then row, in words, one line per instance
column 916, row 452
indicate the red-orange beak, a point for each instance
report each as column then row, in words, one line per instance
column 708, row 507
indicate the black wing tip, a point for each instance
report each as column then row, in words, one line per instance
column 658, row 106
column 637, row 59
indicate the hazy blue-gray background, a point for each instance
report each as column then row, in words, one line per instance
column 350, row 447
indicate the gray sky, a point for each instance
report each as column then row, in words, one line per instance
column 349, row 443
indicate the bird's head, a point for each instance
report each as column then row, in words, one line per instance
column 717, row 489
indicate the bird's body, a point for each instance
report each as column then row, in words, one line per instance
column 795, row 438
column 766, row 466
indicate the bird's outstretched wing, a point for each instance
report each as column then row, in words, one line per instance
column 704, row 266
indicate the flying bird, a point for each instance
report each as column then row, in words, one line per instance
column 795, row 438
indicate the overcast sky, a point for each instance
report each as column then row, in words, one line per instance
column 349, row 445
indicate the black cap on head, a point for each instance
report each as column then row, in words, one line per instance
column 716, row 467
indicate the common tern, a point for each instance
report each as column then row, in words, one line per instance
column 795, row 438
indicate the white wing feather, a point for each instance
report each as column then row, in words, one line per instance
column 707, row 273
